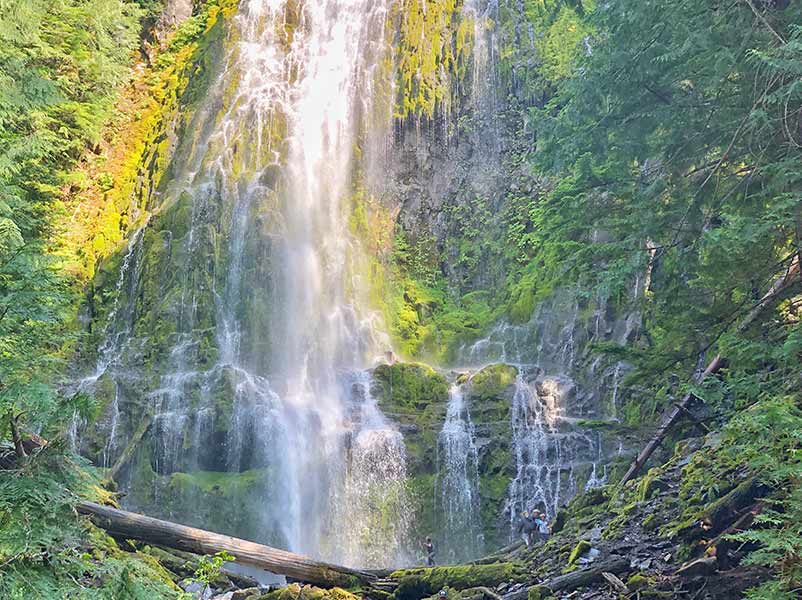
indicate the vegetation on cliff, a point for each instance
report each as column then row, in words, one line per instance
column 651, row 164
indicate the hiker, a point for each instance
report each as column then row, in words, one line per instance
column 443, row 595
column 429, row 547
column 527, row 527
column 542, row 527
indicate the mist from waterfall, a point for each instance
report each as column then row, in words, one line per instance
column 265, row 175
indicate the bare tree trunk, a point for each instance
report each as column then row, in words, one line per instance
column 790, row 277
column 15, row 436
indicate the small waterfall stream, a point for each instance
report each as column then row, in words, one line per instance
column 554, row 454
column 459, row 481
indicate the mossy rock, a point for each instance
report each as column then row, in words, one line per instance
column 539, row 592
column 581, row 548
column 493, row 381
column 650, row 485
column 294, row 591
column 637, row 582
column 404, row 387
column 590, row 498
column 415, row 584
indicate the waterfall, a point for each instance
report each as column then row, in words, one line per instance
column 459, row 482
column 554, row 453
column 117, row 332
column 373, row 510
column 548, row 450
column 266, row 370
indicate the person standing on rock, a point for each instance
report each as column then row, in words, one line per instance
column 429, row 547
column 527, row 527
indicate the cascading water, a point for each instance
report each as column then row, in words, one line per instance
column 372, row 511
column 547, row 449
column 554, row 455
column 458, row 486
column 270, row 381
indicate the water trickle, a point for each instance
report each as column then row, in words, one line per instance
column 458, row 483
column 116, row 334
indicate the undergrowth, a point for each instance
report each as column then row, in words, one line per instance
column 48, row 552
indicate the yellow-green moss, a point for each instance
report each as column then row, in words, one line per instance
column 294, row 591
column 493, row 381
column 431, row 55
column 418, row 583
column 637, row 582
column 580, row 549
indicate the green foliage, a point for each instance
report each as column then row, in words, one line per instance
column 762, row 441
column 61, row 64
column 209, row 567
column 48, row 552
column 671, row 151
column 426, row 319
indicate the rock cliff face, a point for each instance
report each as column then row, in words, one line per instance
column 234, row 367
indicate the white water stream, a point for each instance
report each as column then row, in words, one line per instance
column 458, row 485
column 266, row 179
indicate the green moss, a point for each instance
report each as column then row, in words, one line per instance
column 493, row 493
column 431, row 55
column 419, row 583
column 404, row 387
column 212, row 482
column 493, row 381
column 648, row 485
column 538, row 592
column 650, row 522
column 295, row 591
column 637, row 582
column 581, row 548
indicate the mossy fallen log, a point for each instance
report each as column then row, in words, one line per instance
column 128, row 525
column 721, row 513
column 572, row 580
column 414, row 584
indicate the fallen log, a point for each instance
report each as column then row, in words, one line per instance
column 128, row 525
column 790, row 277
column 573, row 580
column 583, row 577
column 679, row 409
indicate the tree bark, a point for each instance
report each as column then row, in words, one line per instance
column 575, row 579
column 16, row 437
column 128, row 525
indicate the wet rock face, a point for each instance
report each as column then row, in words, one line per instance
column 558, row 397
